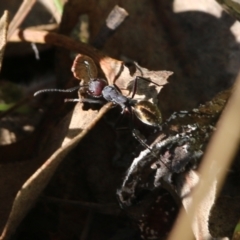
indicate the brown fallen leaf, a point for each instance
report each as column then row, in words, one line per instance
column 79, row 68
column 32, row 188
column 124, row 77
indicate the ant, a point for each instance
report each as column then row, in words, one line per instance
column 97, row 88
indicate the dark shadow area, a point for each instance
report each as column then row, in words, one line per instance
column 203, row 47
column 23, row 69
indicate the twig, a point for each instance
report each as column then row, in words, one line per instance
column 22, row 12
column 3, row 34
column 44, row 37
column 51, row 27
column 113, row 21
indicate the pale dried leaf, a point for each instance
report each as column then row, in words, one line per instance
column 118, row 73
column 186, row 183
column 80, row 70
column 80, row 119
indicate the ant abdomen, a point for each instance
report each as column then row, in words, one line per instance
column 148, row 113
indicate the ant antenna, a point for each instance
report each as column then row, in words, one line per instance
column 88, row 68
column 58, row 90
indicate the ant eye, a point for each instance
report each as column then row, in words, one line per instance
column 148, row 113
column 96, row 86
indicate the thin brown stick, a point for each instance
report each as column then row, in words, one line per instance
column 3, row 36
column 22, row 12
column 44, row 37
column 51, row 27
column 216, row 162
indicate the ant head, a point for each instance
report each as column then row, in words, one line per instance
column 96, row 86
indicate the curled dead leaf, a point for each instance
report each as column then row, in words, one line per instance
column 124, row 75
column 79, row 68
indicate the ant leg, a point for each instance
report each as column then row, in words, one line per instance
column 147, row 80
column 88, row 100
column 136, row 133
column 72, row 100
column 134, row 89
column 140, row 139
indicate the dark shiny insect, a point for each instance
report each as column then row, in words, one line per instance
column 98, row 88
column 99, row 91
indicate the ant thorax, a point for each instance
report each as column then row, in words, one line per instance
column 112, row 94
column 178, row 146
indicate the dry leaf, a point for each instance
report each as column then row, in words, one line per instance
column 80, row 70
column 185, row 185
column 117, row 72
column 32, row 188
